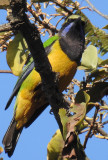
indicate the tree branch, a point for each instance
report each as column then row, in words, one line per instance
column 5, row 71
column 19, row 21
column 46, row 25
column 97, row 11
column 5, row 27
column 63, row 7
column 91, row 127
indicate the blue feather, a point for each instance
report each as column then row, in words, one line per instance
column 66, row 29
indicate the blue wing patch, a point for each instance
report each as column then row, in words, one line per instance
column 66, row 29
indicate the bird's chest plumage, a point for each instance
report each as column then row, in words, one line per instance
column 62, row 64
column 29, row 99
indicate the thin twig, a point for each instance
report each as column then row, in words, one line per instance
column 97, row 11
column 63, row 7
column 6, row 71
column 5, row 27
column 58, row 21
column 97, row 128
column 106, row 122
column 85, row 7
column 45, row 25
column 75, row 81
column 102, row 132
column 101, row 137
column 85, row 130
column 91, row 127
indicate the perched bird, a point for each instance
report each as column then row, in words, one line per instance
column 64, row 52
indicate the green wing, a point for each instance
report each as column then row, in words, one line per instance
column 50, row 41
column 28, row 69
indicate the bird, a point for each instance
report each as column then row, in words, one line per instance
column 64, row 52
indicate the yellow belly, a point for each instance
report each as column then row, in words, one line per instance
column 28, row 100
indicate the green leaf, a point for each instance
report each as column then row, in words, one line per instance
column 99, row 61
column 83, row 68
column 55, row 147
column 78, row 117
column 64, row 120
column 71, row 125
column 90, row 58
column 70, row 122
column 103, row 62
column 17, row 53
column 105, row 27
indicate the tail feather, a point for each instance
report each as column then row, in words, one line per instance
column 11, row 138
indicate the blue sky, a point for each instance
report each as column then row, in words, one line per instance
column 33, row 141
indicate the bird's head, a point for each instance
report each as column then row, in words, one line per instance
column 72, row 37
column 73, row 27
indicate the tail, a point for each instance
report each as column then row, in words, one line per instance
column 11, row 138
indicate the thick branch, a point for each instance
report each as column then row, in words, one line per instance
column 19, row 21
